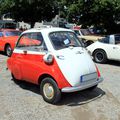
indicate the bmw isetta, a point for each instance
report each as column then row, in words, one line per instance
column 55, row 59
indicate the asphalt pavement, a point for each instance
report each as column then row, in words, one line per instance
column 22, row 100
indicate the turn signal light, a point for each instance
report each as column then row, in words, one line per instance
column 98, row 72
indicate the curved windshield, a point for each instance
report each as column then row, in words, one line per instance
column 12, row 33
column 64, row 39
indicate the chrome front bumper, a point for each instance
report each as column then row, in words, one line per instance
column 82, row 87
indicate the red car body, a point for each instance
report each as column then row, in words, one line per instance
column 8, row 37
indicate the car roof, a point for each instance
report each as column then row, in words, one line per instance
column 47, row 30
column 8, row 30
column 117, row 34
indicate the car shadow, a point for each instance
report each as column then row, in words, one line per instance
column 69, row 99
column 112, row 62
column 27, row 86
column 81, row 97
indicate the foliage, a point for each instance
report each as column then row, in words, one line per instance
column 29, row 10
column 99, row 13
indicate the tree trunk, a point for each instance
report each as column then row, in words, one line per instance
column 32, row 24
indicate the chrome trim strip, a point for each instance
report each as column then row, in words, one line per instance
column 82, row 87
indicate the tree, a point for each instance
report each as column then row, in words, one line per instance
column 100, row 13
column 29, row 10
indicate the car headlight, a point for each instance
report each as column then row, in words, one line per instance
column 48, row 58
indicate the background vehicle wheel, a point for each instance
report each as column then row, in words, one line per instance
column 50, row 91
column 8, row 50
column 100, row 56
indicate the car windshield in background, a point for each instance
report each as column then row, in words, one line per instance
column 61, row 40
column 77, row 32
column 12, row 33
column 85, row 32
column 104, row 40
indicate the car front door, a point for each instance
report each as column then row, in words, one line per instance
column 117, row 47
column 114, row 47
column 29, row 54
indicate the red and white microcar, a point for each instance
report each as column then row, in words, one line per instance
column 55, row 59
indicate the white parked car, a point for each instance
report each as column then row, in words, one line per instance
column 86, row 35
column 106, row 48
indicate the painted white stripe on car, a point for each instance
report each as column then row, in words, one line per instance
column 29, row 52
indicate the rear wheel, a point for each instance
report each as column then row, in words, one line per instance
column 8, row 50
column 50, row 91
column 100, row 56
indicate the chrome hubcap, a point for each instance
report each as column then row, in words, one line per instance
column 99, row 56
column 48, row 91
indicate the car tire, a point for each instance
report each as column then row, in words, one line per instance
column 50, row 91
column 100, row 56
column 8, row 50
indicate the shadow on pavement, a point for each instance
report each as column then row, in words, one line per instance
column 111, row 62
column 69, row 99
column 115, row 63
column 81, row 97
column 28, row 86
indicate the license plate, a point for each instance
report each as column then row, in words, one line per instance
column 88, row 77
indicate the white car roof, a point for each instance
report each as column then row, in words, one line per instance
column 47, row 30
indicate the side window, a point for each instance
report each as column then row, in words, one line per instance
column 1, row 35
column 117, row 39
column 105, row 40
column 32, row 42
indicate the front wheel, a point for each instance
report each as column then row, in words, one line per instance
column 8, row 50
column 100, row 56
column 50, row 91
